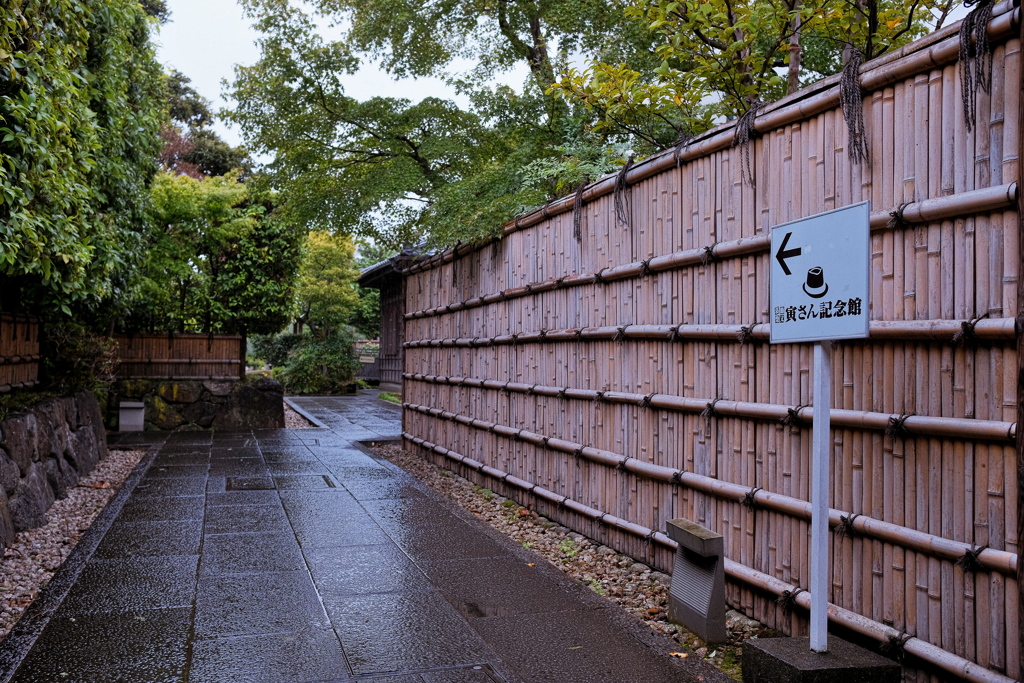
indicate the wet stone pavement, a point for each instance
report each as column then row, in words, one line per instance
column 293, row 555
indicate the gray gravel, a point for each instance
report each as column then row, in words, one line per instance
column 293, row 420
column 29, row 563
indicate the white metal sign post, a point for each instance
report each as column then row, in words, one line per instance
column 819, row 292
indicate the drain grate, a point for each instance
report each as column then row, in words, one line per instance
column 249, row 484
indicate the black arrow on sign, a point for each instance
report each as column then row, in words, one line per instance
column 784, row 253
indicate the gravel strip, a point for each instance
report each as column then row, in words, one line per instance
column 292, row 420
column 631, row 584
column 31, row 561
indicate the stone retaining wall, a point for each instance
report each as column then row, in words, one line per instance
column 44, row 451
column 185, row 405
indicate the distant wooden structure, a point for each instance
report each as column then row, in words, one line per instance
column 386, row 276
column 181, row 356
column 19, row 352
column 614, row 373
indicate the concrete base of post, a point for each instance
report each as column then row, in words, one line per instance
column 790, row 660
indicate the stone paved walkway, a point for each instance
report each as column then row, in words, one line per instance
column 292, row 555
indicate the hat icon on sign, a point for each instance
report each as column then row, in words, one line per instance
column 816, row 287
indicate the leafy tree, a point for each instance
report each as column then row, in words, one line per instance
column 326, row 293
column 399, row 171
column 219, row 260
column 720, row 58
column 191, row 146
column 80, row 107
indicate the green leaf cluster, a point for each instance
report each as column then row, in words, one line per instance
column 80, row 108
column 219, row 259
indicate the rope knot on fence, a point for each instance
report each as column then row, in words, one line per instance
column 542, row 335
column 970, row 561
column 896, row 645
column 562, row 393
column 897, row 427
column 599, row 276
column 845, row 528
column 598, row 397
column 674, row 333
column 620, row 333
column 645, row 267
column 750, row 498
column 792, row 418
column 709, row 412
column 746, row 334
column 708, row 256
column 966, row 337
column 787, row 601
column 975, row 62
column 578, row 453
column 645, row 402
column 896, row 219
column 514, row 338
column 544, row 441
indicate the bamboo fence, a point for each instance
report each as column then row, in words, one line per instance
column 181, row 356
column 623, row 380
column 19, row 352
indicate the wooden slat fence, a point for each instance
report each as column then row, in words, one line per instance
column 180, row 356
column 624, row 379
column 19, row 352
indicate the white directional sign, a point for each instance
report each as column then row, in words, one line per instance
column 819, row 277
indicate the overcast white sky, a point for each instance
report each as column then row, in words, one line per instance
column 205, row 39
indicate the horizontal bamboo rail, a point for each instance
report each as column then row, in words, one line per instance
column 921, row 425
column 972, row 202
column 995, row 560
column 921, row 649
column 998, row 329
column 937, row 50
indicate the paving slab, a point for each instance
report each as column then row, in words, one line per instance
column 294, row 555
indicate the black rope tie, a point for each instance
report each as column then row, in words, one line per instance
column 851, row 101
column 896, row 219
column 600, row 518
column 787, row 601
column 675, row 334
column 504, row 387
column 515, row 339
column 896, row 646
column 544, row 441
column 975, row 58
column 577, row 212
column 518, row 436
column 620, row 334
column 677, row 477
column 645, row 402
column 578, row 334
column 645, row 267
column 708, row 257
column 966, row 337
column 750, row 498
column 741, row 138
column 746, row 335
column 792, row 418
column 897, row 427
column 562, row 393
column 681, row 144
column 845, row 527
column 532, row 390
column 970, row 561
column 621, row 465
column 559, row 282
column 623, row 202
column 599, row 397
column 599, row 277
column 542, row 335
column 708, row 413
column 474, row 342
column 649, row 538
column 578, row 453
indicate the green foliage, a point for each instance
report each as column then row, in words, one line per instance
column 718, row 57
column 398, row 171
column 327, row 293
column 274, row 349
column 190, row 146
column 321, row 366
column 365, row 316
column 80, row 107
column 219, row 260
column 390, row 397
column 75, row 359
